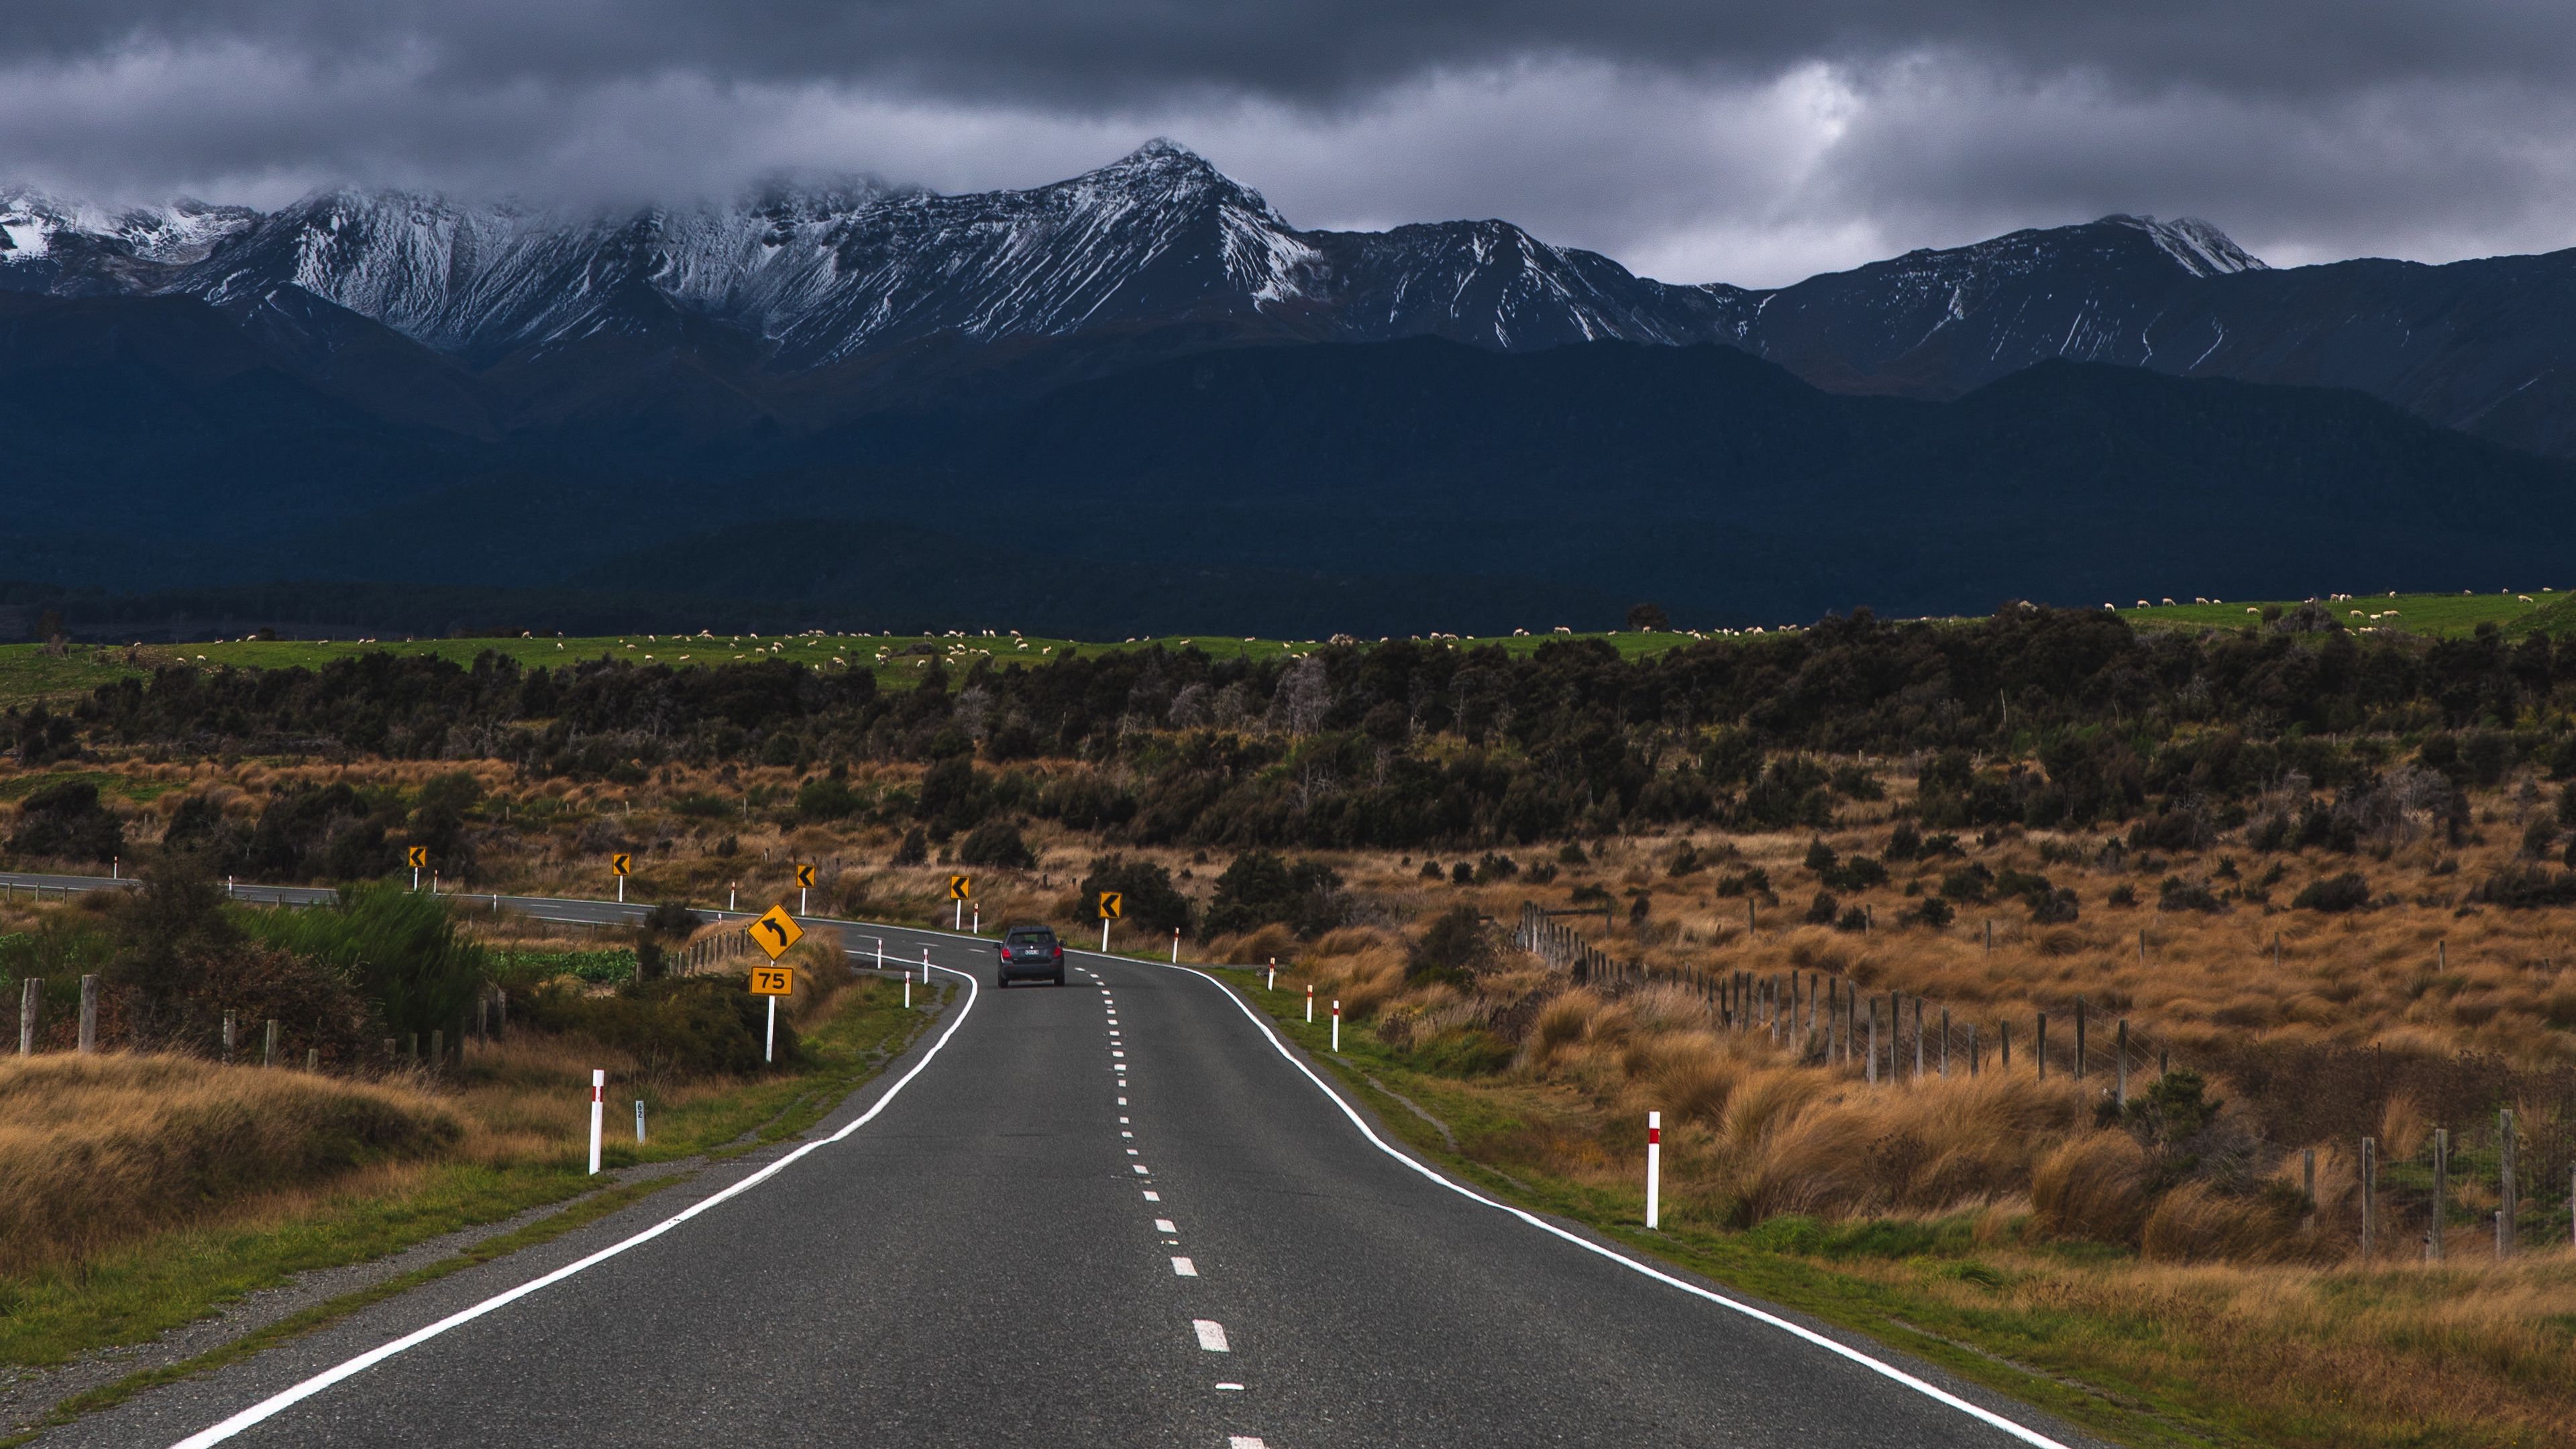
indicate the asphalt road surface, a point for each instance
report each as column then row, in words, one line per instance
column 1119, row 1213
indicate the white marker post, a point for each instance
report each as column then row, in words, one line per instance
column 1104, row 935
column 1337, row 1024
column 925, row 965
column 959, row 923
column 907, row 991
column 598, row 1104
column 979, row 919
column 881, row 956
column 621, row 886
column 1274, row 975
column 1176, row 945
column 1654, row 1168
column 800, row 900
column 769, row 1048
column 1310, row 1003
column 639, row 1121
column 732, row 888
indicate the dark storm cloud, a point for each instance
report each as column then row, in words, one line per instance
column 1696, row 140
column 1330, row 51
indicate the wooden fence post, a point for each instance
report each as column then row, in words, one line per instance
column 1945, row 1042
column 2369, row 1195
column 2003, row 1030
column 2039, row 1048
column 2441, row 1191
column 2308, row 1182
column 31, row 1002
column 2121, row 1092
column 89, row 1014
column 2507, row 1205
column 1972, row 1048
column 2079, row 1027
column 268, row 1044
column 228, row 1038
column 1873, row 1038
column 1918, row 1038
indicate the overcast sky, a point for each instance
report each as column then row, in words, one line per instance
column 1695, row 140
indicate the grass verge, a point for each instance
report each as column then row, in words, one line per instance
column 2138, row 1353
column 133, row 1293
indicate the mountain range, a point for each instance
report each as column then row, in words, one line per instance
column 1162, row 377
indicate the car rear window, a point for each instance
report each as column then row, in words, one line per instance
column 1031, row 938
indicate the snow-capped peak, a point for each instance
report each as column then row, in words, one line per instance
column 2202, row 249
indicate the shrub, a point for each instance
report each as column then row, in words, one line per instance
column 1753, row 880
column 671, row 918
column 1820, row 911
column 2177, row 894
column 1496, row 867
column 826, row 799
column 1151, row 901
column 1453, row 947
column 66, row 821
column 396, row 948
column 2334, row 893
column 1934, row 912
column 686, row 1027
column 996, row 843
column 1260, row 889
column 914, row 848
column 1462, row 874
column 1904, row 842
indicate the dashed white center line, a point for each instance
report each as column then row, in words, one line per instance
column 1131, row 1151
column 1242, row 1441
column 1153, row 1197
column 1211, row 1335
column 1183, row 1267
column 1126, row 1134
column 1164, row 1225
column 1118, row 1054
column 1122, row 1119
column 1140, row 1169
column 1122, row 1102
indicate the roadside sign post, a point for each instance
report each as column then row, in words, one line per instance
column 418, row 856
column 639, row 1121
column 959, row 888
column 1337, row 1024
column 804, row 883
column 1310, row 1003
column 598, row 1102
column 773, row 933
column 975, row 921
column 1654, row 1167
column 1176, row 945
column 618, row 865
column 1111, row 904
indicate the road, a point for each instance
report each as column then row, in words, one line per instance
column 1118, row 1213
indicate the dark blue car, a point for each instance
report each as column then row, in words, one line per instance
column 1030, row 953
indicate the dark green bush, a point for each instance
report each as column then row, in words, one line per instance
column 689, row 1027
column 66, row 822
column 2334, row 893
column 996, row 843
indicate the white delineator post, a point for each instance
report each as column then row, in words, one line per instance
column 959, row 923
column 1104, row 935
column 769, row 1046
column 907, row 991
column 1310, row 1003
column 621, row 886
column 1176, row 945
column 639, row 1121
column 598, row 1103
column 925, row 965
column 1654, row 1167
column 1274, row 975
column 881, row 956
column 801, row 893
column 975, row 924
column 1337, row 1024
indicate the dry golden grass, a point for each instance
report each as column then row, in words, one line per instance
column 102, row 1148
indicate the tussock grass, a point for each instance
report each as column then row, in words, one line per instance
column 99, row 1149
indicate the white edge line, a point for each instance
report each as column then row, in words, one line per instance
column 1878, row 1366
column 288, row 1398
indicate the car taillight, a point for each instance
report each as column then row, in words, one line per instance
column 1059, row 953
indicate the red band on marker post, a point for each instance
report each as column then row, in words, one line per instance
column 1654, row 1135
